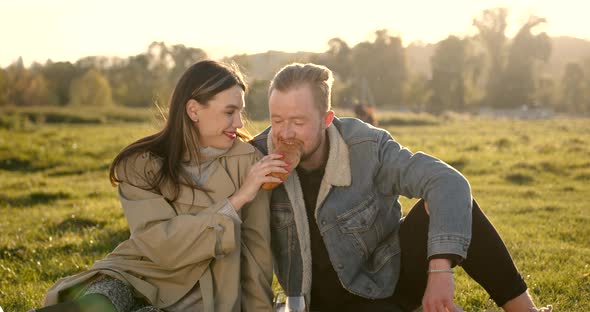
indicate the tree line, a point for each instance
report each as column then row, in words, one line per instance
column 136, row 81
column 485, row 70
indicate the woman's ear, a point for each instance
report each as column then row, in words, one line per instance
column 192, row 109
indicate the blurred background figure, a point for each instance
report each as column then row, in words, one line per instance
column 366, row 113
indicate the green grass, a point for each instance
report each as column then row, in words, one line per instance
column 532, row 178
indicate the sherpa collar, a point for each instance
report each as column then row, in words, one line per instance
column 337, row 173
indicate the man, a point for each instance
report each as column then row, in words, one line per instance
column 338, row 237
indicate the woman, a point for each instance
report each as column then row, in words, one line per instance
column 200, row 238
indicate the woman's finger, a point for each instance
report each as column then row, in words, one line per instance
column 263, row 164
column 275, row 163
column 271, row 157
column 270, row 179
column 266, row 170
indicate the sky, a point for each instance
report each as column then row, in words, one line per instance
column 66, row 30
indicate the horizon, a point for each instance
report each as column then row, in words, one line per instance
column 67, row 30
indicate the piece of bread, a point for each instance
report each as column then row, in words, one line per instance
column 291, row 149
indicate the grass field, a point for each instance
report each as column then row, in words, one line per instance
column 532, row 178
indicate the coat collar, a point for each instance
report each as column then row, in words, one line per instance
column 338, row 165
column 238, row 148
column 220, row 184
column 337, row 171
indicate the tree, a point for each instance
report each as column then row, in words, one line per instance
column 545, row 92
column 379, row 70
column 91, row 89
column 160, row 66
column 101, row 63
column 242, row 60
column 17, row 82
column 473, row 74
column 3, row 87
column 38, row 93
column 492, row 27
column 573, row 87
column 183, row 57
column 338, row 58
column 363, row 71
column 257, row 100
column 134, row 83
column 59, row 76
column 142, row 79
column 417, row 93
column 24, row 87
column 342, row 92
column 448, row 65
column 518, row 84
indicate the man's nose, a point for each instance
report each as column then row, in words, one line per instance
column 287, row 132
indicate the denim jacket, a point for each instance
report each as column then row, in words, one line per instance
column 358, row 212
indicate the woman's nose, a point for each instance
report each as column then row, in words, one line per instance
column 238, row 122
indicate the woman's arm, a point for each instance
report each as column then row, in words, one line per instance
column 169, row 240
column 157, row 232
column 256, row 258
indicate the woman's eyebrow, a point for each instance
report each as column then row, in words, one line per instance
column 235, row 106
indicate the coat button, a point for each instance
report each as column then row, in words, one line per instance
column 340, row 267
column 369, row 290
column 324, row 222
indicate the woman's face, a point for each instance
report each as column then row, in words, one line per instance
column 221, row 118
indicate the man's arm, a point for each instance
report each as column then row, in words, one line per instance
column 448, row 201
column 446, row 191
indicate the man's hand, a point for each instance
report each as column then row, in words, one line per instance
column 440, row 288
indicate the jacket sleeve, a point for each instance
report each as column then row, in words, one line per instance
column 256, row 256
column 446, row 191
column 159, row 234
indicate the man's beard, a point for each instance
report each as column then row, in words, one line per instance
column 305, row 156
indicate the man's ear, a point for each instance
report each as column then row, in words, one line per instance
column 328, row 118
column 192, row 109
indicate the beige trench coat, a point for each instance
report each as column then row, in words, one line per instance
column 175, row 245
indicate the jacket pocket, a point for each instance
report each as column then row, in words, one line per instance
column 360, row 218
column 382, row 255
column 360, row 228
column 281, row 216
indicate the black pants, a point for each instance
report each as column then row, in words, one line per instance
column 488, row 261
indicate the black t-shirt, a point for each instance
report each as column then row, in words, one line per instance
column 327, row 293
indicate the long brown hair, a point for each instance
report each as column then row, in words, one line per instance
column 201, row 82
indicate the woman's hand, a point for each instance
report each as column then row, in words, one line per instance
column 259, row 173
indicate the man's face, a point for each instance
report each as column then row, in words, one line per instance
column 294, row 115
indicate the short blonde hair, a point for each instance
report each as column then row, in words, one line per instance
column 319, row 78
